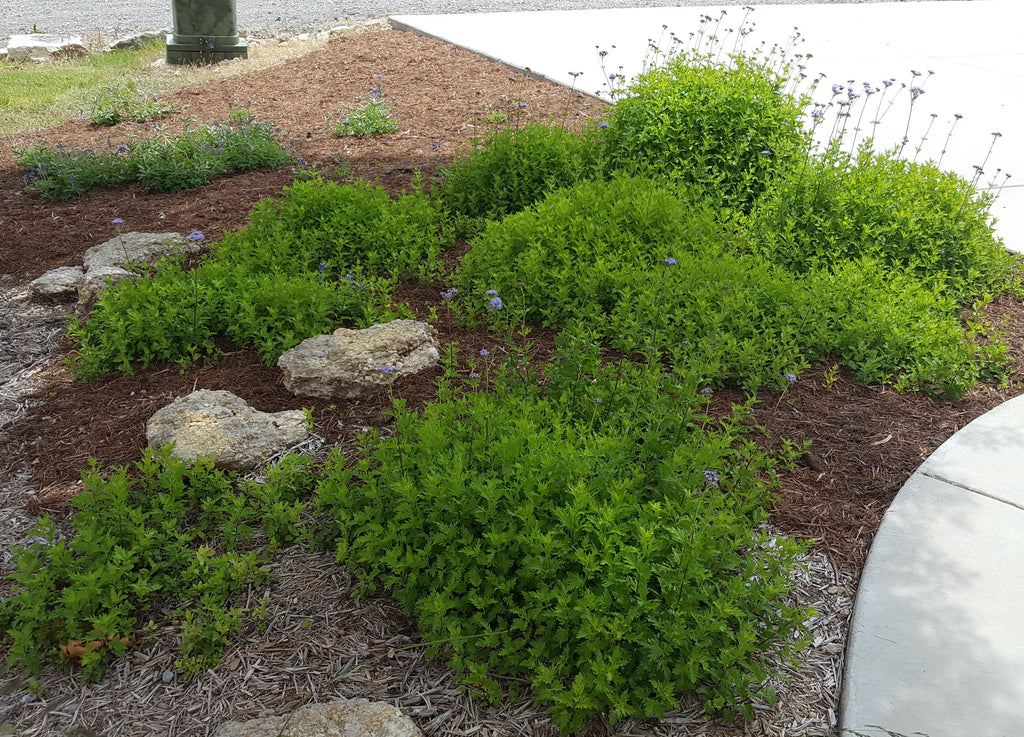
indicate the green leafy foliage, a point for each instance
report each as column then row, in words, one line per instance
column 596, row 534
column 124, row 101
column 910, row 217
column 162, row 164
column 657, row 271
column 176, row 316
column 342, row 227
column 515, row 167
column 722, row 125
column 890, row 328
column 163, row 532
column 61, row 173
column 372, row 118
column 323, row 255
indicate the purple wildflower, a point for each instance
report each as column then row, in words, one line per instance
column 711, row 477
column 495, row 304
column 195, row 235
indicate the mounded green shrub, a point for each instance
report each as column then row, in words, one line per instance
column 598, row 537
column 910, row 217
column 721, row 125
column 286, row 277
column 176, row 316
column 339, row 228
column 515, row 167
column 657, row 271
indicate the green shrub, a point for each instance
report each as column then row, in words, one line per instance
column 373, row 117
column 656, row 271
column 124, row 101
column 515, row 167
column 163, row 533
column 174, row 163
column 598, row 538
column 723, row 126
column 910, row 217
column 63, row 173
column 888, row 327
column 337, row 228
column 176, row 316
column 162, row 163
column 566, row 255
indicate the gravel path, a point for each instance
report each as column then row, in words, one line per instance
column 264, row 18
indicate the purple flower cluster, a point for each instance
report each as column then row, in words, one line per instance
column 711, row 477
column 495, row 302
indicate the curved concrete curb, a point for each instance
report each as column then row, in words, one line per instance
column 936, row 644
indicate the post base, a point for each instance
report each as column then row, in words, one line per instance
column 195, row 50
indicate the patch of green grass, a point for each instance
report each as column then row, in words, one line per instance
column 43, row 95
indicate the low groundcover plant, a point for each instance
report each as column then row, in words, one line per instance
column 597, row 534
column 162, row 163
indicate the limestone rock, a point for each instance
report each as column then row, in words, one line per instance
column 358, row 363
column 134, row 41
column 94, row 282
column 44, row 47
column 218, row 423
column 133, row 248
column 341, row 718
column 57, row 283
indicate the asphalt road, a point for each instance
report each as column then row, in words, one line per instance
column 265, row 18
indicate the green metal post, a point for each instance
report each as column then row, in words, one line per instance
column 205, row 31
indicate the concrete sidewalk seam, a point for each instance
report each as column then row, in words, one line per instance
column 979, row 492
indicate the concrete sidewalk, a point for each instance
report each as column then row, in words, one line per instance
column 973, row 47
column 936, row 643
column 937, row 637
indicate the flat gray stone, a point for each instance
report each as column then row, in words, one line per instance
column 936, row 644
column 340, row 718
column 134, row 40
column 134, row 249
column 987, row 455
column 57, row 283
column 44, row 47
column 218, row 423
column 359, row 363
column 94, row 282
